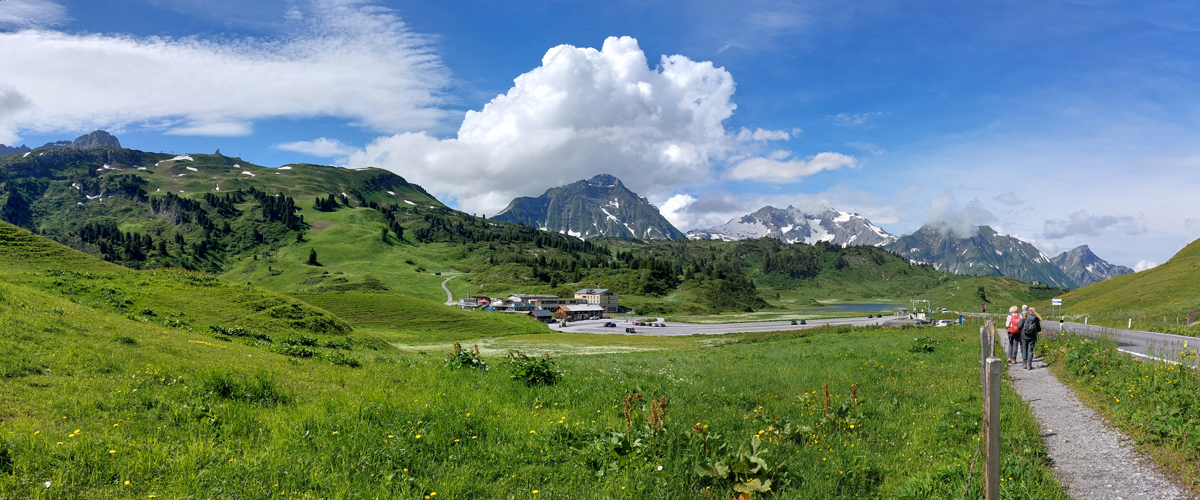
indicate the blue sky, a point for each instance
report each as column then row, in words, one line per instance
column 1062, row 123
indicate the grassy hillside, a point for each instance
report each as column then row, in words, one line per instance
column 1165, row 298
column 180, row 300
column 94, row 405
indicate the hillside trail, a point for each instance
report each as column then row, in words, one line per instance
column 1093, row 461
column 449, row 296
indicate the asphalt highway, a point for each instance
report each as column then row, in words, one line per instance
column 1163, row 346
column 677, row 329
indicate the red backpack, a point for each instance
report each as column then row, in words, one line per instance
column 1014, row 319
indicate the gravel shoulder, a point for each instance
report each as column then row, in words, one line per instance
column 1092, row 460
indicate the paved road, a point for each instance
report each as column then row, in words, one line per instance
column 1163, row 346
column 677, row 329
column 1136, row 342
column 449, row 296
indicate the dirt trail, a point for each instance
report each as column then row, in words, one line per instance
column 1092, row 460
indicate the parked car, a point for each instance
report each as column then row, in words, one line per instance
column 630, row 330
column 942, row 322
column 660, row 324
column 793, row 321
column 610, row 324
column 870, row 316
column 922, row 321
column 803, row 322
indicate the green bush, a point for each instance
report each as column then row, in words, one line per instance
column 462, row 358
column 295, row 350
column 533, row 371
column 923, row 345
column 341, row 359
column 301, row 341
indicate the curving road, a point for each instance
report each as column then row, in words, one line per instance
column 679, row 329
column 449, row 296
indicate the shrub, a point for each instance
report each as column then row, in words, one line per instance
column 340, row 358
column 237, row 331
column 462, row 358
column 295, row 350
column 334, row 344
column 533, row 371
column 301, row 341
column 923, row 345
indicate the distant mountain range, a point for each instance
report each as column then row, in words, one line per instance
column 598, row 207
column 792, row 225
column 97, row 139
column 984, row 253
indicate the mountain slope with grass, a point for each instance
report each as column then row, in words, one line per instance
column 1165, row 298
column 175, row 299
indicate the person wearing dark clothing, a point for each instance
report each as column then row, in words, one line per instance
column 1029, row 326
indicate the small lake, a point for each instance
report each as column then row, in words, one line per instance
column 856, row 307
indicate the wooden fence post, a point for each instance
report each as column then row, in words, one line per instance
column 991, row 423
column 987, row 335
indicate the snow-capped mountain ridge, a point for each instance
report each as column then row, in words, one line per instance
column 792, row 225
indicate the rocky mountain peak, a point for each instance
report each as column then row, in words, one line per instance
column 97, row 139
column 598, row 207
column 1086, row 267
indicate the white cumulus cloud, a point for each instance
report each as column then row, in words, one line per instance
column 777, row 168
column 580, row 112
column 946, row 215
column 674, row 210
column 1143, row 265
column 322, row 147
column 1082, row 223
column 22, row 14
column 347, row 59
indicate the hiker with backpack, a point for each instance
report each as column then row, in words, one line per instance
column 1014, row 334
column 1030, row 326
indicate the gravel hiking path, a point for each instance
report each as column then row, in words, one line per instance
column 1093, row 461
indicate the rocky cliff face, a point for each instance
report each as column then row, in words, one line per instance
column 1085, row 268
column 792, row 225
column 600, row 206
column 97, row 139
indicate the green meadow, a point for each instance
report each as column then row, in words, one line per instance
column 98, row 405
column 117, row 383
